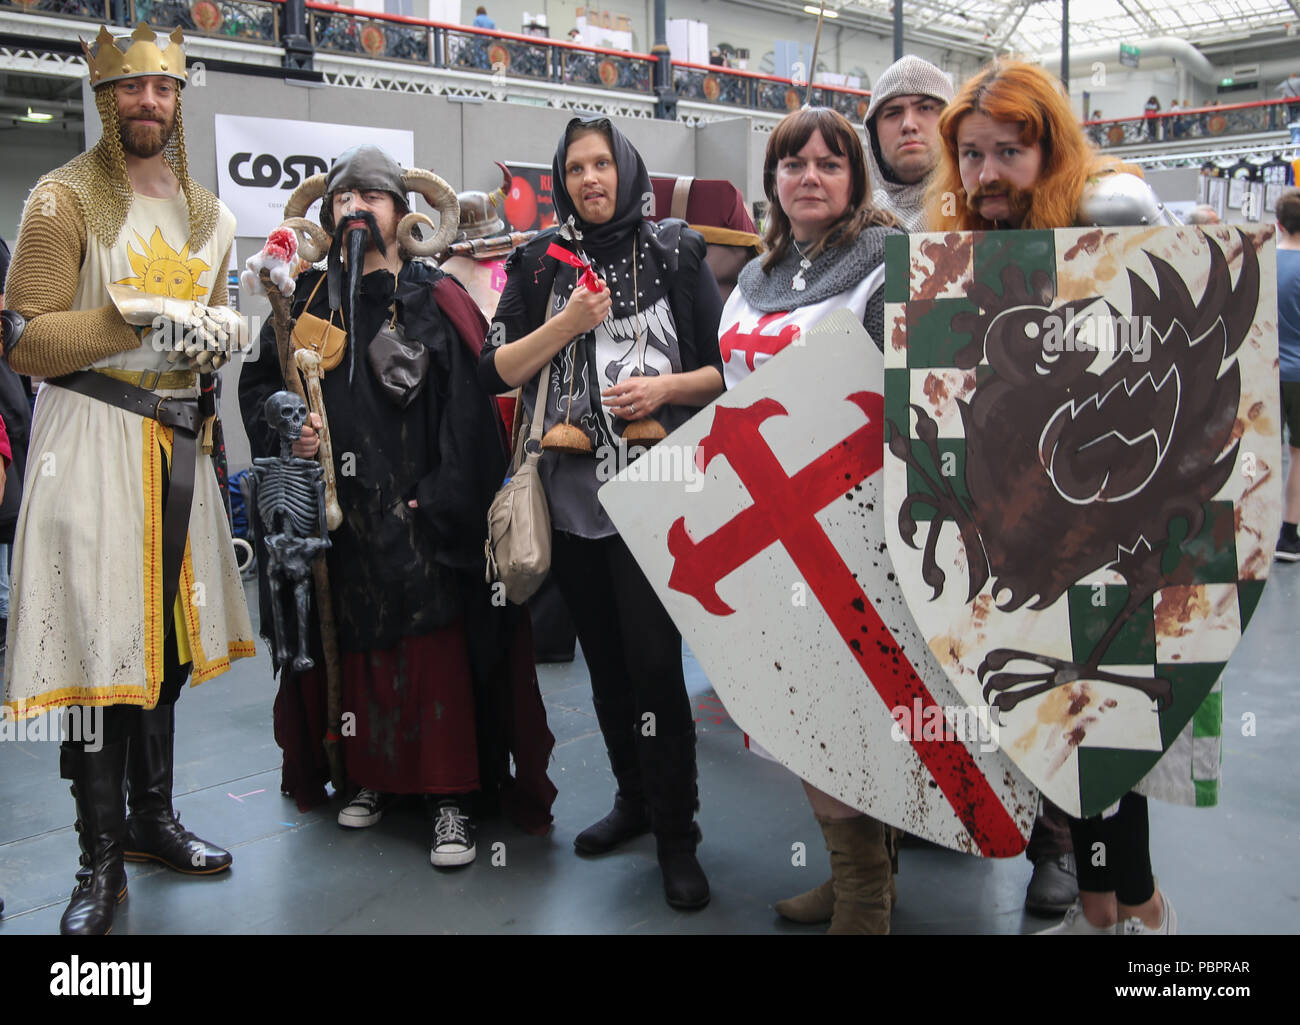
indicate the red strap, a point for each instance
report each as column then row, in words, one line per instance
column 587, row 278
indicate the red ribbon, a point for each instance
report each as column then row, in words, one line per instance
column 587, row 277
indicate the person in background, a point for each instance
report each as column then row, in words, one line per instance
column 575, row 36
column 1096, row 132
column 1290, row 91
column 4, row 549
column 1287, row 211
column 1203, row 214
column 902, row 126
column 15, row 424
column 1149, row 112
column 481, row 19
column 4, row 554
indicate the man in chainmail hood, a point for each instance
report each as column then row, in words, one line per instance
column 124, row 576
column 902, row 125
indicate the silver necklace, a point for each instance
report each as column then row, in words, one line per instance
column 797, row 282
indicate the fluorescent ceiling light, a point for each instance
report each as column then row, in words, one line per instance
column 34, row 117
column 810, row 9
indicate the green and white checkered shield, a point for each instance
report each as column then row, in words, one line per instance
column 1083, row 483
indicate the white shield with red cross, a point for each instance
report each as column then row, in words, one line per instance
column 760, row 525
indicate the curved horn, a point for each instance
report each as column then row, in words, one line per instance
column 304, row 196
column 498, row 198
column 313, row 242
column 441, row 198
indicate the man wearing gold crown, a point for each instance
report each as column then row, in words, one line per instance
column 124, row 577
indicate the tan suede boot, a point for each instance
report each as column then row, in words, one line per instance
column 817, row 905
column 861, row 873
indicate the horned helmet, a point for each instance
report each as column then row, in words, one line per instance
column 369, row 167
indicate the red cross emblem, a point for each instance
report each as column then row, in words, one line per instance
column 751, row 343
column 785, row 509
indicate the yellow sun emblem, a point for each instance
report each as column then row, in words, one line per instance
column 160, row 270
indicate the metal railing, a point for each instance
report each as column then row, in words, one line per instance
column 508, row 55
column 1194, row 123
column 86, row 10
column 253, row 21
column 478, row 51
column 729, row 87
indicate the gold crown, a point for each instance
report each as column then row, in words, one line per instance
column 110, row 63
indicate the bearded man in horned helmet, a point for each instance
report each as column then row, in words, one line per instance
column 124, row 577
column 439, row 692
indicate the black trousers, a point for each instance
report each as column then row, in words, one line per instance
column 1051, row 833
column 632, row 648
column 1114, row 854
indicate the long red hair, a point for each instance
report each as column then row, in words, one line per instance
column 1026, row 95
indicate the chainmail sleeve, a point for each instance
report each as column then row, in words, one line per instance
column 220, row 293
column 42, row 286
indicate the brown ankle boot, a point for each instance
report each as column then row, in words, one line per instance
column 817, row 905
column 861, row 873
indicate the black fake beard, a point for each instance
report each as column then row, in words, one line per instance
column 354, row 232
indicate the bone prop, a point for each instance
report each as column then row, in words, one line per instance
column 308, row 364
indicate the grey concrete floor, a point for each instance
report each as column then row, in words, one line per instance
column 1229, row 869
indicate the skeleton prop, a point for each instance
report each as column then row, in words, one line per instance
column 289, row 495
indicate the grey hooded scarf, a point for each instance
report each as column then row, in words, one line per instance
column 908, row 76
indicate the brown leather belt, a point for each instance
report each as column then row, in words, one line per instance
column 185, row 418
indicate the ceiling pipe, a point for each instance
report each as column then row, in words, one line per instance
column 878, row 25
column 1180, row 50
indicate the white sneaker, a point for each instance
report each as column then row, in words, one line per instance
column 365, row 809
column 453, row 837
column 1168, row 923
column 1074, row 924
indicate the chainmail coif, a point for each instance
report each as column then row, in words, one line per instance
column 99, row 180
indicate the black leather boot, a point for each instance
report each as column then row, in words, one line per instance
column 630, row 817
column 101, row 881
column 668, row 768
column 153, row 832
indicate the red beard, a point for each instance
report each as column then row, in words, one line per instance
column 1018, row 200
column 146, row 139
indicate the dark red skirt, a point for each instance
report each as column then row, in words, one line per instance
column 408, row 720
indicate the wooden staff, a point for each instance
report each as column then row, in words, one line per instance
column 817, row 42
column 283, row 326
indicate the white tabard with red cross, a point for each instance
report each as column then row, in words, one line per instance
column 760, row 525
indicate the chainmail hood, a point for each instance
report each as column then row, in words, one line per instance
column 908, row 76
column 99, row 181
column 836, row 269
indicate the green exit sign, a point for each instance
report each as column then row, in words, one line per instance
column 1226, row 81
column 1128, row 55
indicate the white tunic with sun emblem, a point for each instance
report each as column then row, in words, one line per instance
column 87, row 574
